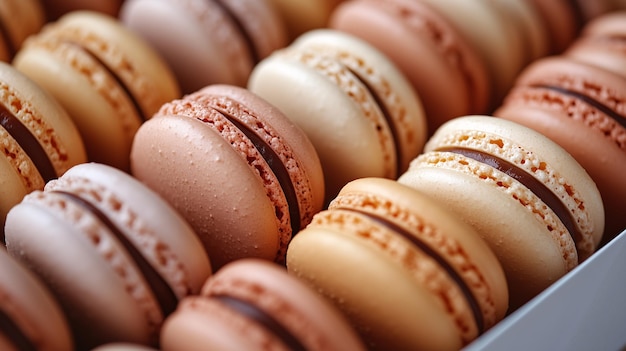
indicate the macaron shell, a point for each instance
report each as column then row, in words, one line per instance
column 561, row 20
column 392, row 311
column 229, row 210
column 284, row 81
column 443, row 86
column 32, row 307
column 491, row 34
column 308, row 317
column 394, row 91
column 19, row 18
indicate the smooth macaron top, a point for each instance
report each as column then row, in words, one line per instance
column 30, row 317
column 304, row 15
column 235, row 167
column 250, row 303
column 420, row 261
column 107, row 78
column 101, row 236
column 18, row 20
column 208, row 42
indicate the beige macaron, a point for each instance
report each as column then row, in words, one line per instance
column 538, row 209
column 407, row 273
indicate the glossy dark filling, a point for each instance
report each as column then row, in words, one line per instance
column 160, row 288
column 254, row 54
column 452, row 273
column 275, row 164
column 8, row 41
column 388, row 118
column 117, row 78
column 259, row 316
column 28, row 142
column 621, row 120
column 15, row 335
column 530, row 182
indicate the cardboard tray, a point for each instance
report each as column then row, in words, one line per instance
column 584, row 310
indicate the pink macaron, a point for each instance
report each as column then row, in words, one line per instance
column 114, row 254
column 254, row 305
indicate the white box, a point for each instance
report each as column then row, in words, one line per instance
column 584, row 310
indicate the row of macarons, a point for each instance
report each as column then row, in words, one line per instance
column 175, row 108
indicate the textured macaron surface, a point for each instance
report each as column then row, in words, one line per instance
column 530, row 176
column 262, row 301
column 273, row 158
column 123, row 242
column 452, row 273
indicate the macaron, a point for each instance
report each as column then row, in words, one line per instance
column 208, row 42
column 39, row 139
column 562, row 20
column 602, row 43
column 582, row 108
column 30, row 317
column 359, row 111
column 406, row 272
column 252, row 305
column 304, row 15
column 107, row 78
column 241, row 173
column 536, row 207
column 114, row 254
column 18, row 20
column 449, row 75
column 57, row 8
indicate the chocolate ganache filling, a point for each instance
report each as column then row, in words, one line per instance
column 161, row 289
column 120, row 82
column 621, row 120
column 28, row 142
column 275, row 164
column 388, row 118
column 447, row 267
column 535, row 186
column 262, row 318
column 16, row 337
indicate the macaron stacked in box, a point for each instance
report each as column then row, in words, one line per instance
column 300, row 175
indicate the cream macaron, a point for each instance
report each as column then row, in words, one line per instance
column 538, row 209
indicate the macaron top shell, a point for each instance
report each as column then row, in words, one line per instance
column 27, row 305
column 304, row 15
column 306, row 319
column 18, row 19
